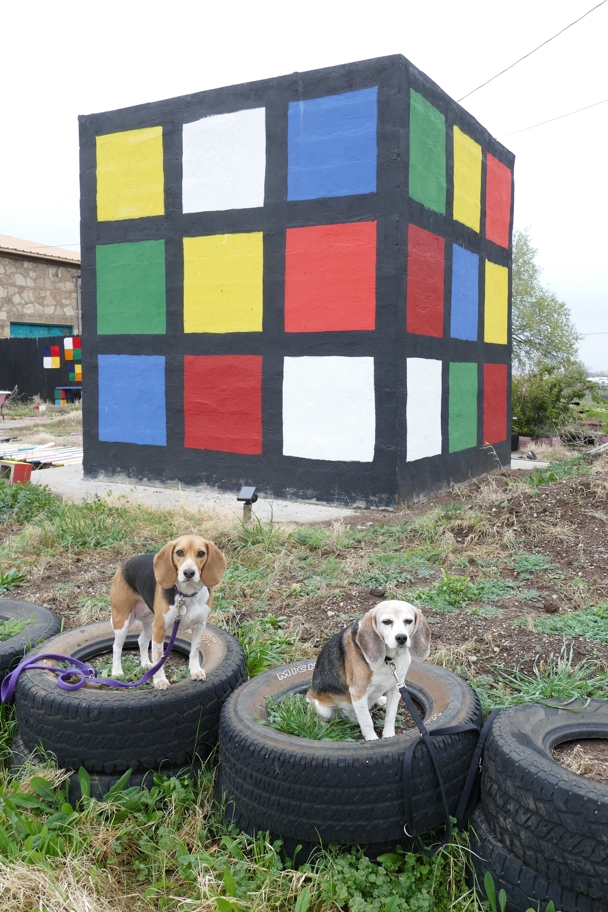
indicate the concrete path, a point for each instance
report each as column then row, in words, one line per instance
column 69, row 481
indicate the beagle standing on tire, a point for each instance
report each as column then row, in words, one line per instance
column 351, row 673
column 156, row 589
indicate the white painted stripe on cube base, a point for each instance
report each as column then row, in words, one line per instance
column 423, row 408
column 224, row 161
column 329, row 408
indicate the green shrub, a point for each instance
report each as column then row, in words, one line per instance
column 541, row 398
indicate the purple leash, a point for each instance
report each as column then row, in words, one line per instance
column 83, row 672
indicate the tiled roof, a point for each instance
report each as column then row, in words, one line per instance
column 30, row 249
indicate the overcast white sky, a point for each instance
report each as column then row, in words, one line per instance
column 66, row 58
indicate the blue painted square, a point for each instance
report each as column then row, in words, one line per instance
column 132, row 399
column 332, row 145
column 465, row 294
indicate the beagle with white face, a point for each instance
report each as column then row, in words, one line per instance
column 351, row 674
column 158, row 588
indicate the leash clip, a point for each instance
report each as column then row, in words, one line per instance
column 393, row 669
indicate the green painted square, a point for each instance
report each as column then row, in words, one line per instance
column 131, row 295
column 77, row 354
column 427, row 154
column 462, row 430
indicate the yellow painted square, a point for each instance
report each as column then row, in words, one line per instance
column 223, row 283
column 467, row 180
column 496, row 303
column 130, row 176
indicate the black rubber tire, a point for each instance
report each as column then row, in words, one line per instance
column 551, row 818
column 100, row 784
column 108, row 731
column 339, row 792
column 525, row 888
column 45, row 624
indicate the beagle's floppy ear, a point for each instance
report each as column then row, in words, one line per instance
column 369, row 640
column 164, row 568
column 214, row 567
column 420, row 644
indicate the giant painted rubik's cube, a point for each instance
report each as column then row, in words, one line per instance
column 300, row 283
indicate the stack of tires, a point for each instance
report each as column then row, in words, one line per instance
column 542, row 830
column 308, row 792
column 108, row 731
column 38, row 624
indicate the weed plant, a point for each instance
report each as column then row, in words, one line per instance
column 21, row 503
column 10, row 580
column 559, row 471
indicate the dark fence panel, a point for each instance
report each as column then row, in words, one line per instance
column 21, row 366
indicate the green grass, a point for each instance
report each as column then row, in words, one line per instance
column 294, row 716
column 13, row 627
column 132, row 670
column 588, row 623
column 557, row 679
column 265, row 643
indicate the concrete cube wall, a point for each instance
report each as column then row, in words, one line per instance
column 301, row 283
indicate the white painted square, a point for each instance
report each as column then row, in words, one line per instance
column 329, row 408
column 423, row 408
column 224, row 161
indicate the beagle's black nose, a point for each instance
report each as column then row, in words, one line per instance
column 188, row 574
column 401, row 639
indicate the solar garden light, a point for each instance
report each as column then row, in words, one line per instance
column 249, row 497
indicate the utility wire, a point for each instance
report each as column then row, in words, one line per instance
column 578, row 110
column 529, row 54
column 603, row 333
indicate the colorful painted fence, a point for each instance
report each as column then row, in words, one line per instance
column 301, row 283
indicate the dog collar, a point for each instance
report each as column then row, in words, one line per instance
column 183, row 594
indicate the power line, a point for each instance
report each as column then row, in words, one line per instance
column 529, row 54
column 578, row 110
column 603, row 333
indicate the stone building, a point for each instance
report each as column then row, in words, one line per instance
column 39, row 289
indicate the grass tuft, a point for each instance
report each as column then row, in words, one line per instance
column 589, row 623
column 293, row 715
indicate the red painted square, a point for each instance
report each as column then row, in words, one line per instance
column 223, row 403
column 494, row 403
column 76, row 342
column 330, row 278
column 55, row 351
column 499, row 181
column 425, row 269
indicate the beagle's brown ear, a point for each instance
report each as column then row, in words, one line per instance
column 164, row 568
column 369, row 640
column 420, row 644
column 214, row 567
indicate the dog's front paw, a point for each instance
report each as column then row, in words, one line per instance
column 372, row 737
column 198, row 674
column 388, row 733
column 161, row 683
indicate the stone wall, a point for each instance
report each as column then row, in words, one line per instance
column 37, row 291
